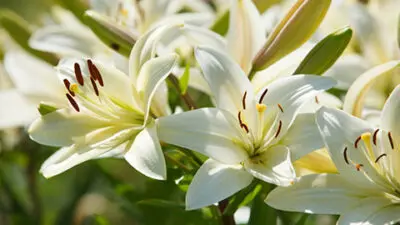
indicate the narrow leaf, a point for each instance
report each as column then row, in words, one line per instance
column 113, row 35
column 243, row 197
column 46, row 109
column 325, row 53
column 184, row 80
column 221, row 24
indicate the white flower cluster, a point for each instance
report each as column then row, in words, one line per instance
column 270, row 119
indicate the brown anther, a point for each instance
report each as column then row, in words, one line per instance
column 263, row 95
column 345, row 155
column 379, row 157
column 391, row 140
column 244, row 100
column 356, row 142
column 280, row 107
column 73, row 102
column 374, row 136
column 78, row 74
column 94, row 72
column 358, row 166
column 279, row 129
column 244, row 126
column 96, row 90
column 316, row 100
column 67, row 85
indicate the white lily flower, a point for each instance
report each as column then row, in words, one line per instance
column 367, row 188
column 250, row 134
column 34, row 81
column 110, row 113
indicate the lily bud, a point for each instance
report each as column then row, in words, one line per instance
column 296, row 28
column 325, row 53
column 110, row 33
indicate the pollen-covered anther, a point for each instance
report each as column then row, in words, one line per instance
column 263, row 95
column 279, row 129
column 280, row 107
column 241, row 123
column 261, row 107
column 67, row 85
column 379, row 157
column 356, row 142
column 94, row 72
column 391, row 140
column 374, row 136
column 358, row 166
column 244, row 100
column 346, row 159
column 73, row 102
column 78, row 74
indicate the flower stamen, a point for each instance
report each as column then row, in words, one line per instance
column 73, row 102
column 391, row 140
column 346, row 159
column 244, row 100
column 379, row 157
column 242, row 124
column 96, row 90
column 280, row 107
column 279, row 129
column 94, row 72
column 261, row 107
column 356, row 142
column 358, row 166
column 374, row 136
column 67, row 85
column 78, row 74
column 263, row 95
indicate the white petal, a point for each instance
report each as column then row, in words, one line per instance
column 273, row 166
column 317, row 161
column 354, row 101
column 214, row 182
column 64, row 41
column 152, row 74
column 34, row 77
column 303, row 136
column 207, row 130
column 282, row 68
column 292, row 92
column 146, row 155
column 226, row 79
column 339, row 131
column 320, row 194
column 16, row 110
column 245, row 36
column 390, row 120
column 347, row 69
column 367, row 207
column 61, row 127
column 68, row 157
column 387, row 215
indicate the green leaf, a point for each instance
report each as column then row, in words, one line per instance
column 294, row 29
column 113, row 35
column 161, row 203
column 243, row 197
column 46, row 109
column 325, row 53
column 221, row 24
column 20, row 31
column 261, row 213
column 184, row 80
column 77, row 7
column 303, row 219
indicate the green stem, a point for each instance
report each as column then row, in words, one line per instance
column 226, row 219
column 185, row 96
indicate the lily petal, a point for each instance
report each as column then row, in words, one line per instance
column 61, row 127
column 311, row 193
column 15, row 110
column 64, row 41
column 361, row 214
column 330, row 123
column 292, row 92
column 303, row 136
column 152, row 74
column 146, row 155
column 390, row 120
column 214, row 182
column 355, row 96
column 387, row 215
column 207, row 130
column 273, row 166
column 244, row 37
column 317, row 161
column 226, row 79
